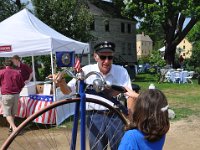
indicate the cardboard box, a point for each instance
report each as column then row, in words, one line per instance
column 40, row 89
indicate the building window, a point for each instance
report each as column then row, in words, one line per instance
column 107, row 27
column 92, row 26
column 184, row 47
column 122, row 27
column 129, row 27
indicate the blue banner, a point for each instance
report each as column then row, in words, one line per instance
column 65, row 59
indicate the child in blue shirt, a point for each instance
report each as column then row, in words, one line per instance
column 151, row 123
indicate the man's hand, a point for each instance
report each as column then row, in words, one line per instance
column 60, row 82
column 26, row 82
column 57, row 78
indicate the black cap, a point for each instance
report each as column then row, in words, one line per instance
column 105, row 47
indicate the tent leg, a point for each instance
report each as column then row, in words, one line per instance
column 33, row 67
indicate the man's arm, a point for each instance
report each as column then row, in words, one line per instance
column 30, row 76
column 65, row 89
column 60, row 82
column 29, row 79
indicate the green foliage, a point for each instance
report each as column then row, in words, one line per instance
column 194, row 62
column 143, row 60
column 71, row 18
column 7, row 8
column 154, row 11
column 156, row 59
column 42, row 66
column 194, row 34
column 46, row 68
column 1, row 62
column 165, row 19
column 194, row 37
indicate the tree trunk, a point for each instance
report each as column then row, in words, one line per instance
column 170, row 55
column 174, row 36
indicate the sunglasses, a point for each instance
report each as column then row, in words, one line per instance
column 102, row 57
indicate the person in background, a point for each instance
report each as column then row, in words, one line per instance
column 11, row 83
column 150, row 118
column 25, row 70
column 113, row 74
column 181, row 60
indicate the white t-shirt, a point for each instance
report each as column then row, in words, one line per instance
column 118, row 75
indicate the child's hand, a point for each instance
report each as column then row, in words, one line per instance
column 131, row 93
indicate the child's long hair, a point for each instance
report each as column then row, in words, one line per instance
column 151, row 114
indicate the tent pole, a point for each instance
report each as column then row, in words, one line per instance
column 89, row 58
column 52, row 71
column 89, row 54
column 33, row 67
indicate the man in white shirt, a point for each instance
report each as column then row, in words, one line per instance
column 113, row 74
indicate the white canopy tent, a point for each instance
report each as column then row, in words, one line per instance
column 29, row 36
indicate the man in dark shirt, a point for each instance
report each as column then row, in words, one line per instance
column 25, row 70
column 11, row 83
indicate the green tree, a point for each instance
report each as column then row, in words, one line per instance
column 168, row 14
column 194, row 61
column 69, row 17
column 156, row 59
column 194, row 37
column 7, row 8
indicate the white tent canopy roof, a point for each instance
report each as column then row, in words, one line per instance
column 29, row 36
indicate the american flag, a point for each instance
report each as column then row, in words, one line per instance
column 30, row 105
column 78, row 60
column 36, row 103
column 77, row 65
column 22, row 106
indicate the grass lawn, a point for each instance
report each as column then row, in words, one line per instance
column 184, row 99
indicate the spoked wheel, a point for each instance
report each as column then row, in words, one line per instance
column 30, row 135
